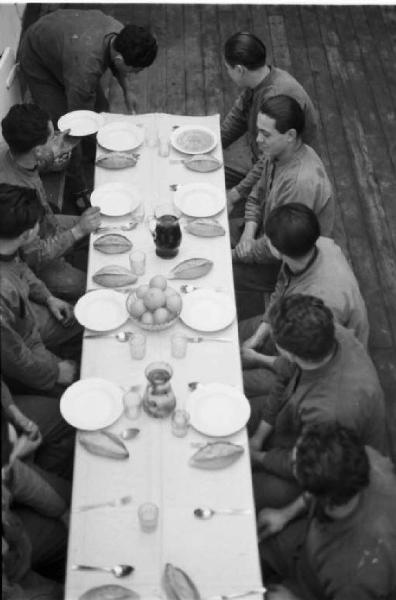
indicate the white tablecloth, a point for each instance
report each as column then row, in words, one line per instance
column 220, row 554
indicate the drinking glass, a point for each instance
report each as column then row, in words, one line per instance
column 137, row 262
column 132, row 404
column 178, row 345
column 180, row 422
column 137, row 346
column 148, row 516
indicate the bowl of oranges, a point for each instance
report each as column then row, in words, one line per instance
column 154, row 306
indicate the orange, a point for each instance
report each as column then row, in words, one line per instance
column 141, row 290
column 154, row 298
column 158, row 281
column 147, row 318
column 161, row 315
column 174, row 303
column 137, row 308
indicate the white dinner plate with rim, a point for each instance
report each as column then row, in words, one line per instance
column 193, row 139
column 101, row 310
column 120, row 136
column 199, row 199
column 81, row 122
column 92, row 403
column 116, row 199
column 207, row 310
column 217, row 409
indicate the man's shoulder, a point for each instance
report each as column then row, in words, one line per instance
column 284, row 83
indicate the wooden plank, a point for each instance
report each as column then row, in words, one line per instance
column 175, row 84
column 212, row 55
column 242, row 17
column 389, row 19
column 346, row 188
column 280, row 47
column 156, row 81
column 195, row 93
column 261, row 29
column 226, row 29
column 385, row 362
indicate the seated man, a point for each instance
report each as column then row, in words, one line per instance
column 32, row 320
column 293, row 172
column 34, row 527
column 334, row 381
column 311, row 265
column 245, row 60
column 26, row 129
column 346, row 547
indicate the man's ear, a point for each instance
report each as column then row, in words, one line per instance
column 291, row 135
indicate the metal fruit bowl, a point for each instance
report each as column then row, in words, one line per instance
column 131, row 298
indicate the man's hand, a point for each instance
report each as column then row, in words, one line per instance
column 61, row 310
column 25, row 446
column 89, row 221
column 249, row 357
column 67, row 372
column 232, row 197
column 257, row 458
column 271, row 521
column 280, row 592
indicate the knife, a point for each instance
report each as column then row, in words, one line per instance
column 200, row 338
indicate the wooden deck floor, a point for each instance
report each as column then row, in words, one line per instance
column 345, row 57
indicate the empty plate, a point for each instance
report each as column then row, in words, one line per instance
column 193, row 139
column 101, row 310
column 92, row 403
column 199, row 199
column 120, row 136
column 116, row 199
column 207, row 310
column 81, row 122
column 217, row 409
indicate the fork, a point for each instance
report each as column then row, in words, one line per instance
column 199, row 338
column 112, row 503
column 260, row 590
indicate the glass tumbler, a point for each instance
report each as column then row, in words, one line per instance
column 137, row 346
column 132, row 404
column 178, row 345
column 180, row 422
column 137, row 262
column 148, row 516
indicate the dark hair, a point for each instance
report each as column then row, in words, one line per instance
column 286, row 112
column 137, row 46
column 20, row 210
column 245, row 49
column 5, row 440
column 331, row 463
column 292, row 229
column 303, row 325
column 25, row 126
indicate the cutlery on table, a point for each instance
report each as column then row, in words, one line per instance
column 199, row 338
column 121, row 336
column 260, row 590
column 207, row 513
column 117, row 570
column 186, row 288
column 127, row 227
column 129, row 433
column 112, row 503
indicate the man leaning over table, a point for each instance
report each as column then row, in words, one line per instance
column 292, row 172
column 311, row 264
column 246, row 63
column 27, row 129
column 332, row 380
column 344, row 547
column 33, row 322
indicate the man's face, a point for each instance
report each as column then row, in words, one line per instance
column 48, row 144
column 270, row 141
column 124, row 69
column 31, row 234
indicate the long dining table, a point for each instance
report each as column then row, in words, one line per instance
column 220, row 554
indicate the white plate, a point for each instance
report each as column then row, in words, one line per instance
column 115, row 199
column 217, row 409
column 193, row 139
column 207, row 310
column 120, row 136
column 81, row 122
column 199, row 199
column 92, row 403
column 101, row 310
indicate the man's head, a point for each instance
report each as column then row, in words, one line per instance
column 292, row 230
column 280, row 123
column 331, row 464
column 302, row 328
column 20, row 213
column 135, row 49
column 243, row 53
column 25, row 127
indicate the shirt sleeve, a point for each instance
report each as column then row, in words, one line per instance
column 33, row 365
column 235, row 123
column 255, row 204
column 246, row 185
column 38, row 291
column 42, row 251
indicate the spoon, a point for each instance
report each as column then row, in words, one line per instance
column 129, row 433
column 186, row 288
column 127, row 227
column 207, row 513
column 117, row 570
column 121, row 336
